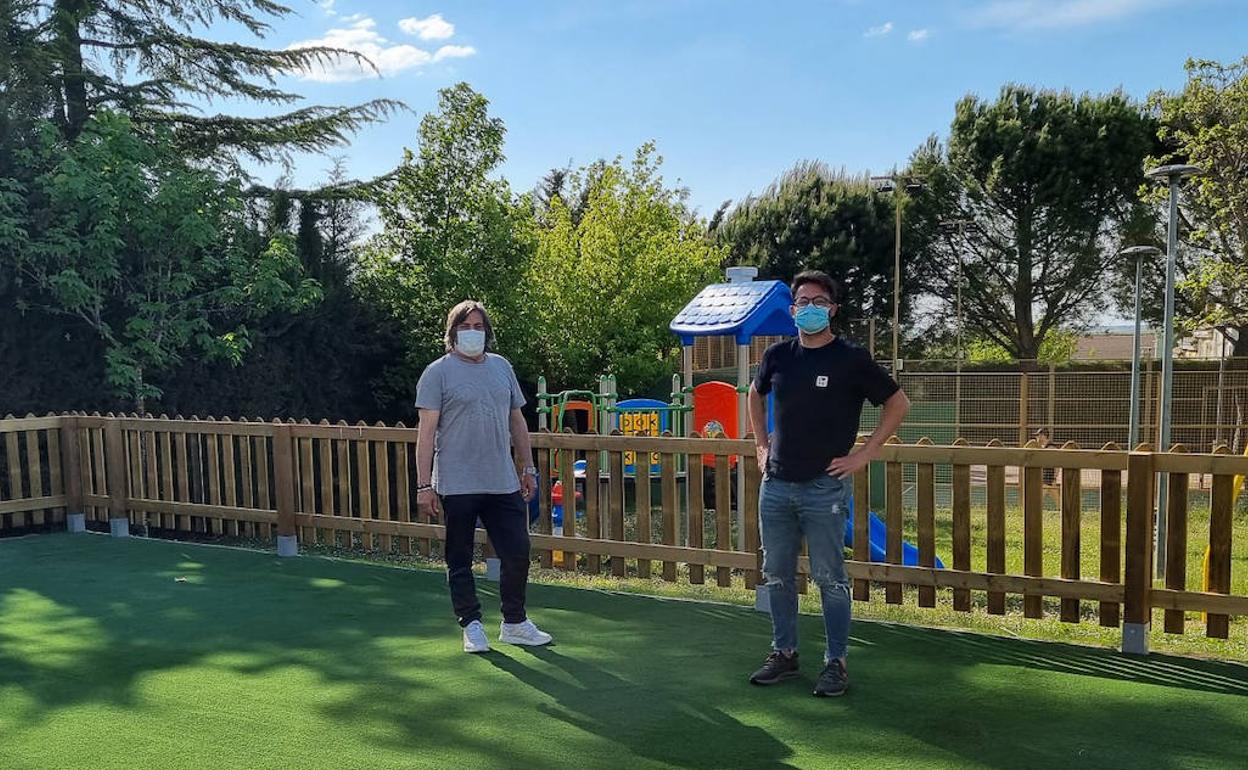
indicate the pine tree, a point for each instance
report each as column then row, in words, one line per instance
column 144, row 58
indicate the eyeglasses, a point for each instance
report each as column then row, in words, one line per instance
column 817, row 302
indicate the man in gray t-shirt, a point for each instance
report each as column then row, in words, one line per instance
column 474, row 461
column 474, row 400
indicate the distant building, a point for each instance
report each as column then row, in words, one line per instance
column 1114, row 343
column 1205, row 343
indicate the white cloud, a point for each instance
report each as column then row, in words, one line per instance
column 328, row 7
column 918, row 35
column 453, row 52
column 879, row 31
column 432, row 28
column 1051, row 14
column 361, row 36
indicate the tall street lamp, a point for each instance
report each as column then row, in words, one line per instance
column 1139, row 254
column 1173, row 175
column 891, row 184
column 949, row 227
column 959, row 226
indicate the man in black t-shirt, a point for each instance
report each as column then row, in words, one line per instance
column 820, row 383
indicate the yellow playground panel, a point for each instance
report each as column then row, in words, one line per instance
column 640, row 423
column 1205, row 583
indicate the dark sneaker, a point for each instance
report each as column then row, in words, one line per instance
column 776, row 668
column 833, row 680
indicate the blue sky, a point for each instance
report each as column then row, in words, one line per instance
column 735, row 92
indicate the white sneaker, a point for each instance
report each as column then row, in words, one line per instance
column 524, row 633
column 474, row 638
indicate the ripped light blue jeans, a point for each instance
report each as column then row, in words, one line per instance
column 788, row 510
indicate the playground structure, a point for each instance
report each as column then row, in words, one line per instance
column 741, row 308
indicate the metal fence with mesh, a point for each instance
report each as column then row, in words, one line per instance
column 1087, row 403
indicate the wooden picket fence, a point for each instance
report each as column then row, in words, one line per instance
column 352, row 487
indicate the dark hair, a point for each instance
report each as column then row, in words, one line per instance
column 817, row 277
column 457, row 316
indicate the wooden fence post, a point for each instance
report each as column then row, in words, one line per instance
column 925, row 475
column 748, row 467
column 71, row 472
column 1111, row 536
column 1138, row 575
column 284, row 483
column 893, row 489
column 115, row 473
column 862, row 532
column 1221, row 506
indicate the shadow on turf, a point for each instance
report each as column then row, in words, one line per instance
column 1164, row 670
column 965, row 647
column 113, row 624
column 682, row 731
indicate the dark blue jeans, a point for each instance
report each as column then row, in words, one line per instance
column 506, row 522
column 788, row 510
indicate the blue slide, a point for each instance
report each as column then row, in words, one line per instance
column 878, row 539
column 878, row 534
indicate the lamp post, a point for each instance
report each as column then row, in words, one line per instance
column 1139, row 253
column 959, row 226
column 948, row 227
column 1173, row 175
column 893, row 183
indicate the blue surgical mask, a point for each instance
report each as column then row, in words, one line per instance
column 470, row 342
column 812, row 319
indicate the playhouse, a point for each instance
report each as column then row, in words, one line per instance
column 742, row 308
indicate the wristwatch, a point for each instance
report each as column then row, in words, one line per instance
column 530, row 470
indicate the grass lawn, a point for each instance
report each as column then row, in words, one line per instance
column 135, row 654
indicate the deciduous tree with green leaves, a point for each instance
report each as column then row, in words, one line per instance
column 606, row 283
column 452, row 230
column 119, row 233
column 1206, row 124
column 1059, row 347
column 109, row 218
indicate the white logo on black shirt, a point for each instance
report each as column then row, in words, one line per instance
column 821, row 381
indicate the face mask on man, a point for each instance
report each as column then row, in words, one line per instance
column 812, row 319
column 470, row 342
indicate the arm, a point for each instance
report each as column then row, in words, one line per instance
column 522, row 449
column 758, row 424
column 426, row 499
column 894, row 411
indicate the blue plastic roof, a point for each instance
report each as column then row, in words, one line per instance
column 743, row 310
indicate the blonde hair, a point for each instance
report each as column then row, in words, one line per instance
column 457, row 316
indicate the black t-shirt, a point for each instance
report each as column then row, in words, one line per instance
column 819, row 397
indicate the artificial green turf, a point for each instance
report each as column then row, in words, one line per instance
column 108, row 660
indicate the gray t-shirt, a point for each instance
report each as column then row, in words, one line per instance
column 472, row 452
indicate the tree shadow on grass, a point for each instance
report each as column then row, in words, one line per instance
column 1012, row 703
column 90, row 620
column 355, row 642
column 967, row 697
column 647, row 720
column 968, row 648
column 949, row 645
